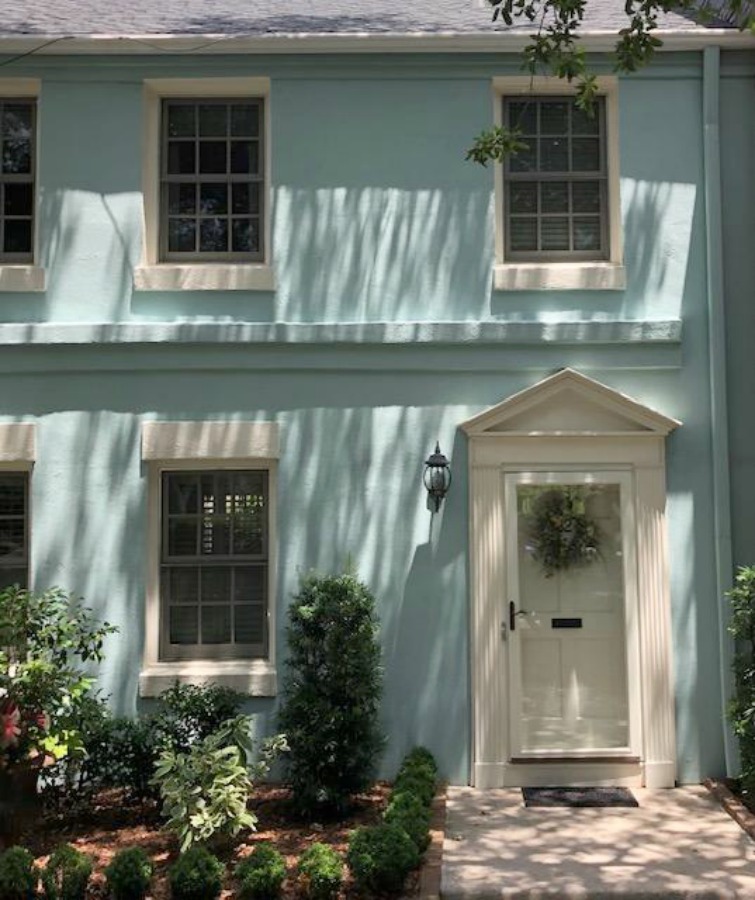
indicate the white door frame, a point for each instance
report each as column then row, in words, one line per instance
column 569, row 422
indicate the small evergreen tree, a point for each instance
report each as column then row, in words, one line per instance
column 742, row 706
column 331, row 692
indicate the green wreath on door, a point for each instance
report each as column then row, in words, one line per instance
column 561, row 535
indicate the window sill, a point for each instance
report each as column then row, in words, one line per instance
column 205, row 277
column 256, row 678
column 22, row 278
column 562, row 276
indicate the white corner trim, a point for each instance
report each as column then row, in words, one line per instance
column 204, row 277
column 22, row 278
column 256, row 678
column 559, row 276
column 18, row 442
column 210, row 440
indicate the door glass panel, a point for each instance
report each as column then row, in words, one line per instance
column 570, row 623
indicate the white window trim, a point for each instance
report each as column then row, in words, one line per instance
column 578, row 275
column 153, row 275
column 173, row 446
column 25, row 277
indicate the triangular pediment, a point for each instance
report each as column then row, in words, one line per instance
column 570, row 403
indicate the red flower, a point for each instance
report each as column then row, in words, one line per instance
column 10, row 727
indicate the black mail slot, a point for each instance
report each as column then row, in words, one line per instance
column 566, row 623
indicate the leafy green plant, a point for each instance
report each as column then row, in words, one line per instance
column 18, row 874
column 381, row 857
column 196, row 875
column 205, row 791
column 321, row 869
column 129, row 874
column 742, row 706
column 45, row 640
column 409, row 812
column 560, row 532
column 261, row 874
column 331, row 694
column 67, row 874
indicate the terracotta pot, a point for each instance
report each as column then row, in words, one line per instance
column 20, row 802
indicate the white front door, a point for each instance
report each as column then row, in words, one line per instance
column 571, row 615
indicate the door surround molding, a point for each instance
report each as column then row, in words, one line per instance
column 568, row 422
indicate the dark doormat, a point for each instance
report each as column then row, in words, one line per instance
column 578, row 796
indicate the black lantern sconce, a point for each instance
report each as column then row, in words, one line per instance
column 437, row 478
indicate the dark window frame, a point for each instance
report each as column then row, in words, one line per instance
column 228, row 178
column 171, row 652
column 10, row 178
column 540, row 176
column 21, row 561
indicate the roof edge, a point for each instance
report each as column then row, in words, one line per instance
column 361, row 42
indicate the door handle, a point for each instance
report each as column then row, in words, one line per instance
column 513, row 613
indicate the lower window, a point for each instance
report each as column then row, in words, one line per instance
column 214, row 564
column 14, row 529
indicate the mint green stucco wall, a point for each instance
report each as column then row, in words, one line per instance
column 377, row 218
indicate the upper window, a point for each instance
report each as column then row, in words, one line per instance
column 214, row 564
column 556, row 190
column 17, row 151
column 14, row 529
column 212, row 180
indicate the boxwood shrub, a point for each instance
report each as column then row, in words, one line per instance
column 321, row 869
column 129, row 874
column 196, row 875
column 66, row 875
column 418, row 780
column 18, row 874
column 421, row 756
column 261, row 874
column 380, row 858
column 409, row 812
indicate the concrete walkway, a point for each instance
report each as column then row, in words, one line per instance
column 679, row 843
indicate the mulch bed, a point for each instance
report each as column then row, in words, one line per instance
column 726, row 791
column 111, row 825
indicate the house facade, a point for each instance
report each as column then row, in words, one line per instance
column 248, row 280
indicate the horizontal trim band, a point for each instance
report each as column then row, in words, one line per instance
column 345, row 333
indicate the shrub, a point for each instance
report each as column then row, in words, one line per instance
column 410, row 813
column 129, row 874
column 197, row 875
column 18, row 874
column 381, row 857
column 122, row 753
column 190, row 713
column 322, row 870
column 205, row 791
column 66, row 875
column 261, row 874
column 742, row 706
column 421, row 756
column 331, row 692
column 418, row 780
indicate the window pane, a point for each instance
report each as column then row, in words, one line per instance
column 581, row 123
column 554, row 117
column 554, row 155
column 182, row 584
column 249, row 624
column 586, row 155
column 525, row 160
column 249, row 584
column 216, row 584
column 213, row 120
column 212, row 157
column 17, row 137
column 181, row 120
column 12, row 576
column 213, row 235
column 19, row 200
column 243, row 198
column 523, row 234
column 213, row 199
column 245, row 236
column 216, row 624
column 17, row 237
column 12, row 533
column 523, row 196
column 182, row 235
column 183, row 625
column 245, row 157
column 554, row 196
column 523, row 115
column 245, row 120
column 216, row 536
column 182, row 537
column 555, row 233
column 586, row 196
column 12, row 495
column 586, row 233
column 182, row 199
column 181, row 158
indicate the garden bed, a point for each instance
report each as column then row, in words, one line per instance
column 112, row 825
